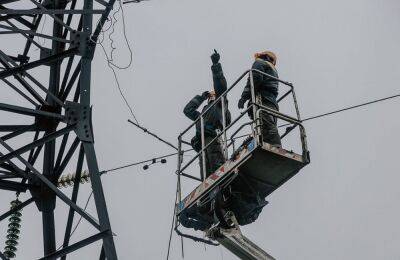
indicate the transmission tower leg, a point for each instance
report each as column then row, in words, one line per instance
column 59, row 107
column 48, row 202
column 49, row 238
column 108, row 241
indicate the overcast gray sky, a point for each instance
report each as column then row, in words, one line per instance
column 344, row 205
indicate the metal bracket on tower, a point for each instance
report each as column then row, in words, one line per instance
column 80, row 40
column 81, row 116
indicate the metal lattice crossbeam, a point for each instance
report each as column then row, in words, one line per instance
column 53, row 111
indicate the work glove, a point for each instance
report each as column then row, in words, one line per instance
column 205, row 95
column 215, row 57
column 241, row 103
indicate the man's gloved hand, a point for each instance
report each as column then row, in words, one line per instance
column 215, row 57
column 241, row 103
column 205, row 95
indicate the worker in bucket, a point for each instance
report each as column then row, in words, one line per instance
column 213, row 119
column 266, row 92
column 197, row 217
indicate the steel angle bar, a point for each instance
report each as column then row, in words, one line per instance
column 71, row 82
column 19, row 131
column 102, row 20
column 16, row 208
column 43, row 88
column 49, row 11
column 28, row 44
column 56, row 19
column 20, row 92
column 68, row 157
column 61, row 150
column 99, row 199
column 36, row 143
column 30, row 32
column 74, row 197
column 77, row 245
column 34, row 64
column 49, row 94
column 11, row 128
column 50, row 185
column 19, row 19
column 29, row 38
column 102, row 254
column 102, row 2
column 13, row 186
column 4, row 61
column 66, row 75
column 14, row 169
column 15, row 17
column 69, row 18
column 29, row 112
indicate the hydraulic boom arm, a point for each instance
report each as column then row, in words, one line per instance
column 233, row 240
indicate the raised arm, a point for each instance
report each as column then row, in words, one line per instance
column 219, row 81
column 190, row 109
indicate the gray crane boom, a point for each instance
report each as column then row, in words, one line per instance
column 233, row 240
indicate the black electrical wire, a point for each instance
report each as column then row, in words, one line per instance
column 351, row 107
column 152, row 134
column 346, row 109
column 138, row 163
column 80, row 219
column 109, row 64
column 113, row 48
column 109, row 59
column 306, row 119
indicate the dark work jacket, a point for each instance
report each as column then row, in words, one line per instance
column 263, row 85
column 213, row 118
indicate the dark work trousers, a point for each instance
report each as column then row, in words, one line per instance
column 269, row 130
column 191, row 218
column 213, row 154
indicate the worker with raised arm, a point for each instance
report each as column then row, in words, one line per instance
column 213, row 119
column 266, row 92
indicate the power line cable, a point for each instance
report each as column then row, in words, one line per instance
column 152, row 134
column 113, row 48
column 346, row 109
column 118, row 85
column 138, row 163
column 241, row 136
column 80, row 219
column 173, row 221
column 111, row 64
column 351, row 107
column 109, row 59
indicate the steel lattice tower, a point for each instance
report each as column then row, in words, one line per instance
column 53, row 82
